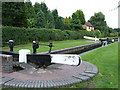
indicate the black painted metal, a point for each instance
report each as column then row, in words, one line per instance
column 36, row 45
column 15, row 55
column 39, row 59
column 45, row 59
column 109, row 40
column 11, row 45
column 50, row 45
column 79, row 61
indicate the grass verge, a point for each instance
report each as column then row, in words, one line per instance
column 57, row 45
column 106, row 59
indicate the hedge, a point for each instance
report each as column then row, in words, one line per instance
column 24, row 35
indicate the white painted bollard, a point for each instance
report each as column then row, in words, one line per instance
column 23, row 55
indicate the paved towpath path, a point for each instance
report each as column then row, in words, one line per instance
column 54, row 75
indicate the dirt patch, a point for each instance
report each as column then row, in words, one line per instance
column 90, row 85
column 100, row 74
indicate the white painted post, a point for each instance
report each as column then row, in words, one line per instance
column 23, row 55
column 95, row 39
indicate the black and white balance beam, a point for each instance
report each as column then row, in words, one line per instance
column 69, row 59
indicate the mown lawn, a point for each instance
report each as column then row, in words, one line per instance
column 57, row 45
column 106, row 59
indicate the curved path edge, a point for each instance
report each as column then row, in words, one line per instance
column 90, row 71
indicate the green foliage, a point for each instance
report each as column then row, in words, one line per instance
column 14, row 14
column 55, row 15
column 37, row 7
column 19, row 35
column 30, row 10
column 67, row 21
column 25, row 35
column 44, row 17
column 50, row 20
column 119, row 34
column 75, row 22
column 98, row 21
column 81, row 16
column 113, row 34
column 40, row 19
column 31, row 22
column 117, row 29
column 44, row 8
column 59, row 23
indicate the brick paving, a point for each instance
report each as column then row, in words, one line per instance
column 55, row 75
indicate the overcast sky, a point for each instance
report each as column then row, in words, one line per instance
column 89, row 7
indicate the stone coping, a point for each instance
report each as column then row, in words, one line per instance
column 73, row 49
column 56, row 75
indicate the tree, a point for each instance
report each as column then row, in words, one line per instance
column 98, row 20
column 40, row 19
column 67, row 21
column 44, row 8
column 30, row 10
column 30, row 14
column 55, row 15
column 117, row 30
column 14, row 14
column 81, row 16
column 45, row 18
column 50, row 20
column 59, row 23
column 75, row 22
column 58, row 20
column 37, row 7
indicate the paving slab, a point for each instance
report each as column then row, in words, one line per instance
column 55, row 75
column 84, row 78
column 6, row 79
column 87, row 74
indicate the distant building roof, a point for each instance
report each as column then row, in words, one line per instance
column 89, row 24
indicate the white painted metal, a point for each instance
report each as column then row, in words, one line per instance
column 68, row 59
column 34, row 41
column 11, row 41
column 92, row 38
column 23, row 55
column 113, row 40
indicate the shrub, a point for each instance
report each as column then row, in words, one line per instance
column 25, row 35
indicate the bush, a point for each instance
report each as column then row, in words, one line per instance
column 25, row 35
column 113, row 34
column 19, row 35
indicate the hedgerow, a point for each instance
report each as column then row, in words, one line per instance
column 22, row 35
